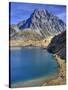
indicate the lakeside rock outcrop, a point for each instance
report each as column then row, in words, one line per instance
column 58, row 45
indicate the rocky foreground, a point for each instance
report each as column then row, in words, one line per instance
column 58, row 45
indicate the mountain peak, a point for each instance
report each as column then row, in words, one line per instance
column 42, row 19
column 40, row 12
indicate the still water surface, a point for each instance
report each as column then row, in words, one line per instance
column 31, row 63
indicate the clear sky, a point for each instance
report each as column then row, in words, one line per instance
column 22, row 11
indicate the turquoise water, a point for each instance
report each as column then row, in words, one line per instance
column 31, row 63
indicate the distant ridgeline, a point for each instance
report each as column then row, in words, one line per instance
column 41, row 24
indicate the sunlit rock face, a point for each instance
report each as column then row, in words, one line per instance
column 43, row 20
column 40, row 24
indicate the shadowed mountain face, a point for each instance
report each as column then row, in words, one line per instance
column 58, row 45
column 43, row 23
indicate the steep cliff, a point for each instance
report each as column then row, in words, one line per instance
column 58, row 45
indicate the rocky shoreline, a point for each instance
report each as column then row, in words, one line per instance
column 61, row 77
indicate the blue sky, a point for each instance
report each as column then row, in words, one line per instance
column 22, row 11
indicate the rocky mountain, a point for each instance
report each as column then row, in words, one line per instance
column 58, row 45
column 40, row 22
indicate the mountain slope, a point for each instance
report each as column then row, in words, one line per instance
column 27, row 35
column 13, row 30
